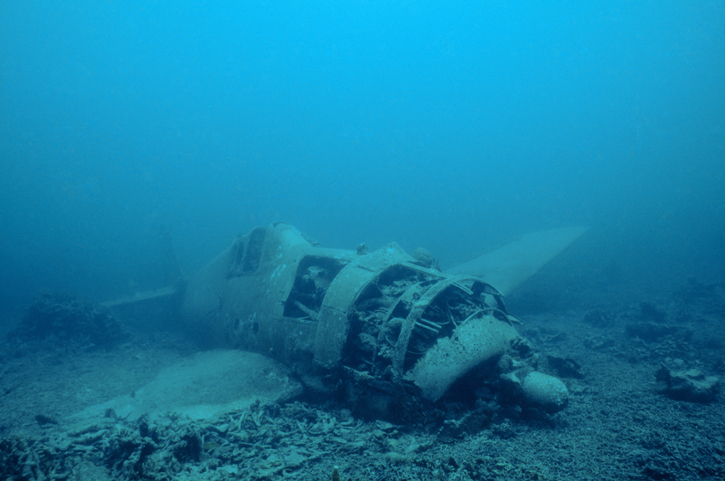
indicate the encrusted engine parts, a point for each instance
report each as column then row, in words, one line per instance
column 385, row 322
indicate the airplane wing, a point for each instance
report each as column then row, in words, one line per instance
column 509, row 266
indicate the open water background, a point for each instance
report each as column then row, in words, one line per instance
column 453, row 127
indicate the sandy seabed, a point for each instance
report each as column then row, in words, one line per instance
column 616, row 426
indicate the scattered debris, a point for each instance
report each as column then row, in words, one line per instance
column 690, row 385
column 565, row 367
column 650, row 331
column 65, row 318
column 616, row 426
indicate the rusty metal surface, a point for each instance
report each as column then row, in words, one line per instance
column 385, row 320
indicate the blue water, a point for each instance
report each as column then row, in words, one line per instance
column 451, row 125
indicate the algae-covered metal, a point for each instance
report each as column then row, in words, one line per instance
column 384, row 319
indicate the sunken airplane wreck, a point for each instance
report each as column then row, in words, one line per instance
column 385, row 330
